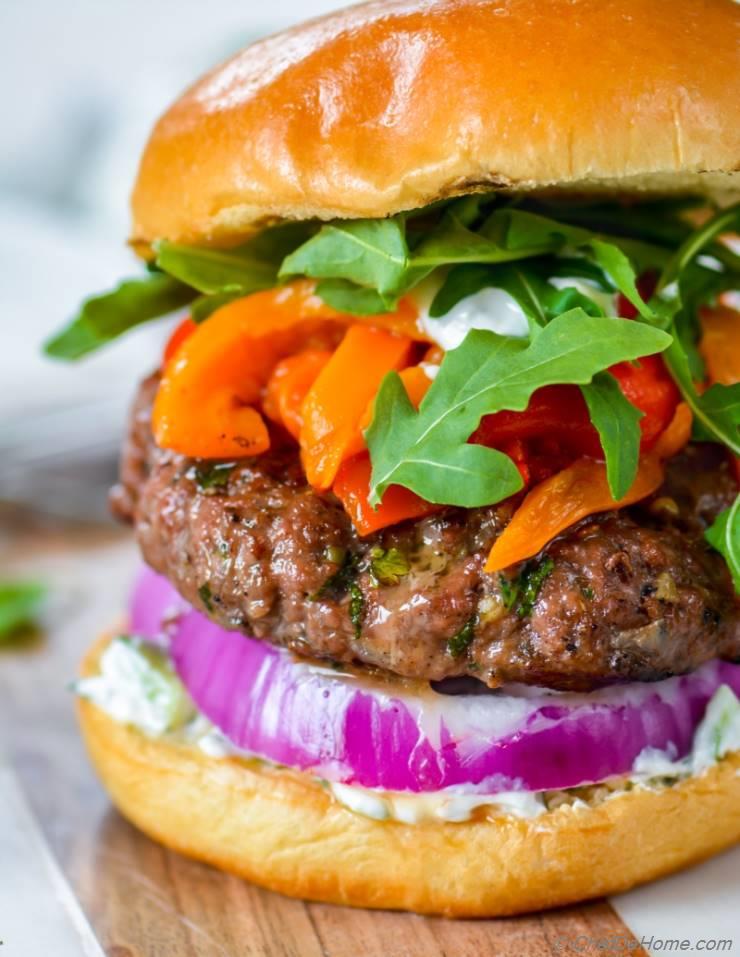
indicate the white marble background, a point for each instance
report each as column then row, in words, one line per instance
column 83, row 81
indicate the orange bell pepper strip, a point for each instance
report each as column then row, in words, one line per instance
column 336, row 402
column 203, row 407
column 288, row 385
column 581, row 489
column 352, row 488
column 720, row 344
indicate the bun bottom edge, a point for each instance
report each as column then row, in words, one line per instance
column 282, row 830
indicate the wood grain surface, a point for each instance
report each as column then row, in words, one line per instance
column 143, row 901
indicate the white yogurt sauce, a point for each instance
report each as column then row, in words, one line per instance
column 137, row 685
column 491, row 309
column 446, row 805
column 494, row 310
column 717, row 735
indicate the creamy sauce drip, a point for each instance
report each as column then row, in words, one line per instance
column 137, row 686
column 492, row 309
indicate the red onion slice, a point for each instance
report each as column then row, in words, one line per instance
column 380, row 734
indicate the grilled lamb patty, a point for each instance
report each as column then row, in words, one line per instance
column 628, row 595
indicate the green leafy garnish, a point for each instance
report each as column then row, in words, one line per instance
column 509, row 590
column 20, row 605
column 716, row 412
column 618, row 423
column 206, row 596
column 367, row 252
column 366, row 265
column 526, row 282
column 531, row 580
column 522, row 246
column 212, row 475
column 174, row 280
column 344, row 582
column 519, row 594
column 356, row 608
column 427, row 450
column 683, row 286
column 237, row 271
column 724, row 535
column 697, row 241
column 103, row 318
column 387, row 565
column 459, row 643
column 613, row 416
column 340, row 582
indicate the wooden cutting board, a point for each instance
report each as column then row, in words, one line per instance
column 143, row 901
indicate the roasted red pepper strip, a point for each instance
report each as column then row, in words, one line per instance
column 352, row 487
column 580, row 490
column 559, row 412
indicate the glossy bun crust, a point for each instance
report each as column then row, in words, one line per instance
column 282, row 830
column 390, row 105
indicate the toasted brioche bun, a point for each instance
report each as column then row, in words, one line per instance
column 282, row 830
column 390, row 105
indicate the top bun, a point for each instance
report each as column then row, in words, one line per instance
column 393, row 104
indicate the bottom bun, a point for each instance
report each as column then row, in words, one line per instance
column 281, row 829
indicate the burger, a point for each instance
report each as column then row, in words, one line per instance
column 436, row 484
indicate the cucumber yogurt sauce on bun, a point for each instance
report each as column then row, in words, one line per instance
column 436, row 481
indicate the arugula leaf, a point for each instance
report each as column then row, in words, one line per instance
column 367, row 265
column 697, row 240
column 454, row 242
column 539, row 300
column 614, row 417
column 678, row 278
column 654, row 221
column 345, row 296
column 367, row 252
column 724, row 535
column 698, row 286
column 427, row 451
column 20, row 604
column 103, row 318
column 216, row 270
column 621, row 272
column 525, row 228
column 684, row 285
column 578, row 267
column 716, row 412
column 618, row 423
column 239, row 270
